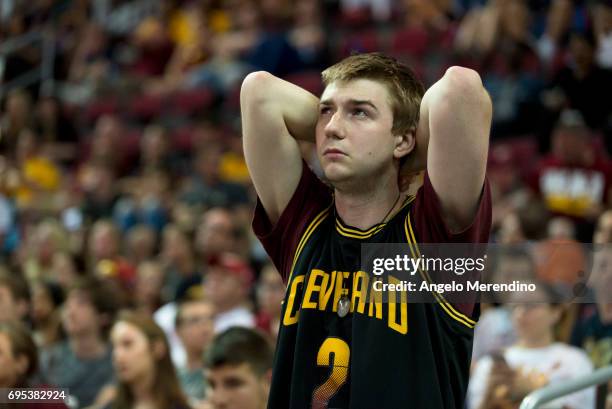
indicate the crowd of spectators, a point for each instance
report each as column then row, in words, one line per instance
column 123, row 185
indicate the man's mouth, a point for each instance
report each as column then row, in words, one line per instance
column 333, row 152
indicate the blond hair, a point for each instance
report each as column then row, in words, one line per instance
column 404, row 88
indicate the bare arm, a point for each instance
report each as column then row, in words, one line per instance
column 453, row 134
column 274, row 114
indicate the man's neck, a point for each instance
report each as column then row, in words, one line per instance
column 536, row 342
column 194, row 360
column 365, row 208
column 87, row 346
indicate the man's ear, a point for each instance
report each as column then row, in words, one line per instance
column 404, row 143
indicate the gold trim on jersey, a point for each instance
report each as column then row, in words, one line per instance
column 309, row 230
column 365, row 234
column 357, row 234
column 446, row 306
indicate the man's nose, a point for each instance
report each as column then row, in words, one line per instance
column 335, row 126
column 219, row 398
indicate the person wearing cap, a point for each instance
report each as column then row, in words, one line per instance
column 574, row 180
column 227, row 285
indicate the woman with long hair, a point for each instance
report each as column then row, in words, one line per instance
column 145, row 375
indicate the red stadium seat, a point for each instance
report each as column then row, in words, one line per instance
column 182, row 139
column 310, row 81
column 191, row 101
column 146, row 106
column 101, row 107
column 361, row 42
column 413, row 41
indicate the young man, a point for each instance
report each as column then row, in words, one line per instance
column 336, row 347
column 238, row 369
column 535, row 360
column 195, row 327
column 227, row 285
column 83, row 363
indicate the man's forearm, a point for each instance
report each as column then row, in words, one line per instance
column 270, row 95
column 435, row 104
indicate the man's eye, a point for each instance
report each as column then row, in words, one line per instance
column 324, row 110
column 233, row 383
column 360, row 113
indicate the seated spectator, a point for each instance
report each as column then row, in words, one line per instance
column 143, row 368
column 216, row 233
column 575, row 84
column 206, row 186
column 15, row 118
column 105, row 259
column 111, row 144
column 143, row 201
column 64, row 270
column 594, row 333
column 177, row 259
column 98, row 182
column 149, row 281
column 157, row 153
column 14, row 297
column 270, row 292
column 19, row 363
column 227, row 285
column 602, row 24
column 239, row 370
column 534, row 361
column 574, row 180
column 83, row 362
column 39, row 177
column 48, row 238
column 603, row 230
column 47, row 299
column 57, row 131
column 494, row 331
column 195, row 326
column 558, row 20
column 152, row 47
column 90, row 66
column 307, row 35
column 140, row 243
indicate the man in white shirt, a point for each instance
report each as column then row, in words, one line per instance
column 227, row 285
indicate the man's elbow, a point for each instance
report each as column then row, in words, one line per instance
column 254, row 85
column 465, row 85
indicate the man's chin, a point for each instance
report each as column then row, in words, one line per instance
column 336, row 176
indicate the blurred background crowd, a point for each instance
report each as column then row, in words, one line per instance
column 123, row 185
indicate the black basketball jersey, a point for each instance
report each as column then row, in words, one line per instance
column 381, row 355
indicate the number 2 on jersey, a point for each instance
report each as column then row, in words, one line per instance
column 334, row 353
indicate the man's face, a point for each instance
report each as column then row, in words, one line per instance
column 197, row 325
column 533, row 317
column 79, row 316
column 237, row 387
column 215, row 233
column 353, row 133
column 223, row 289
